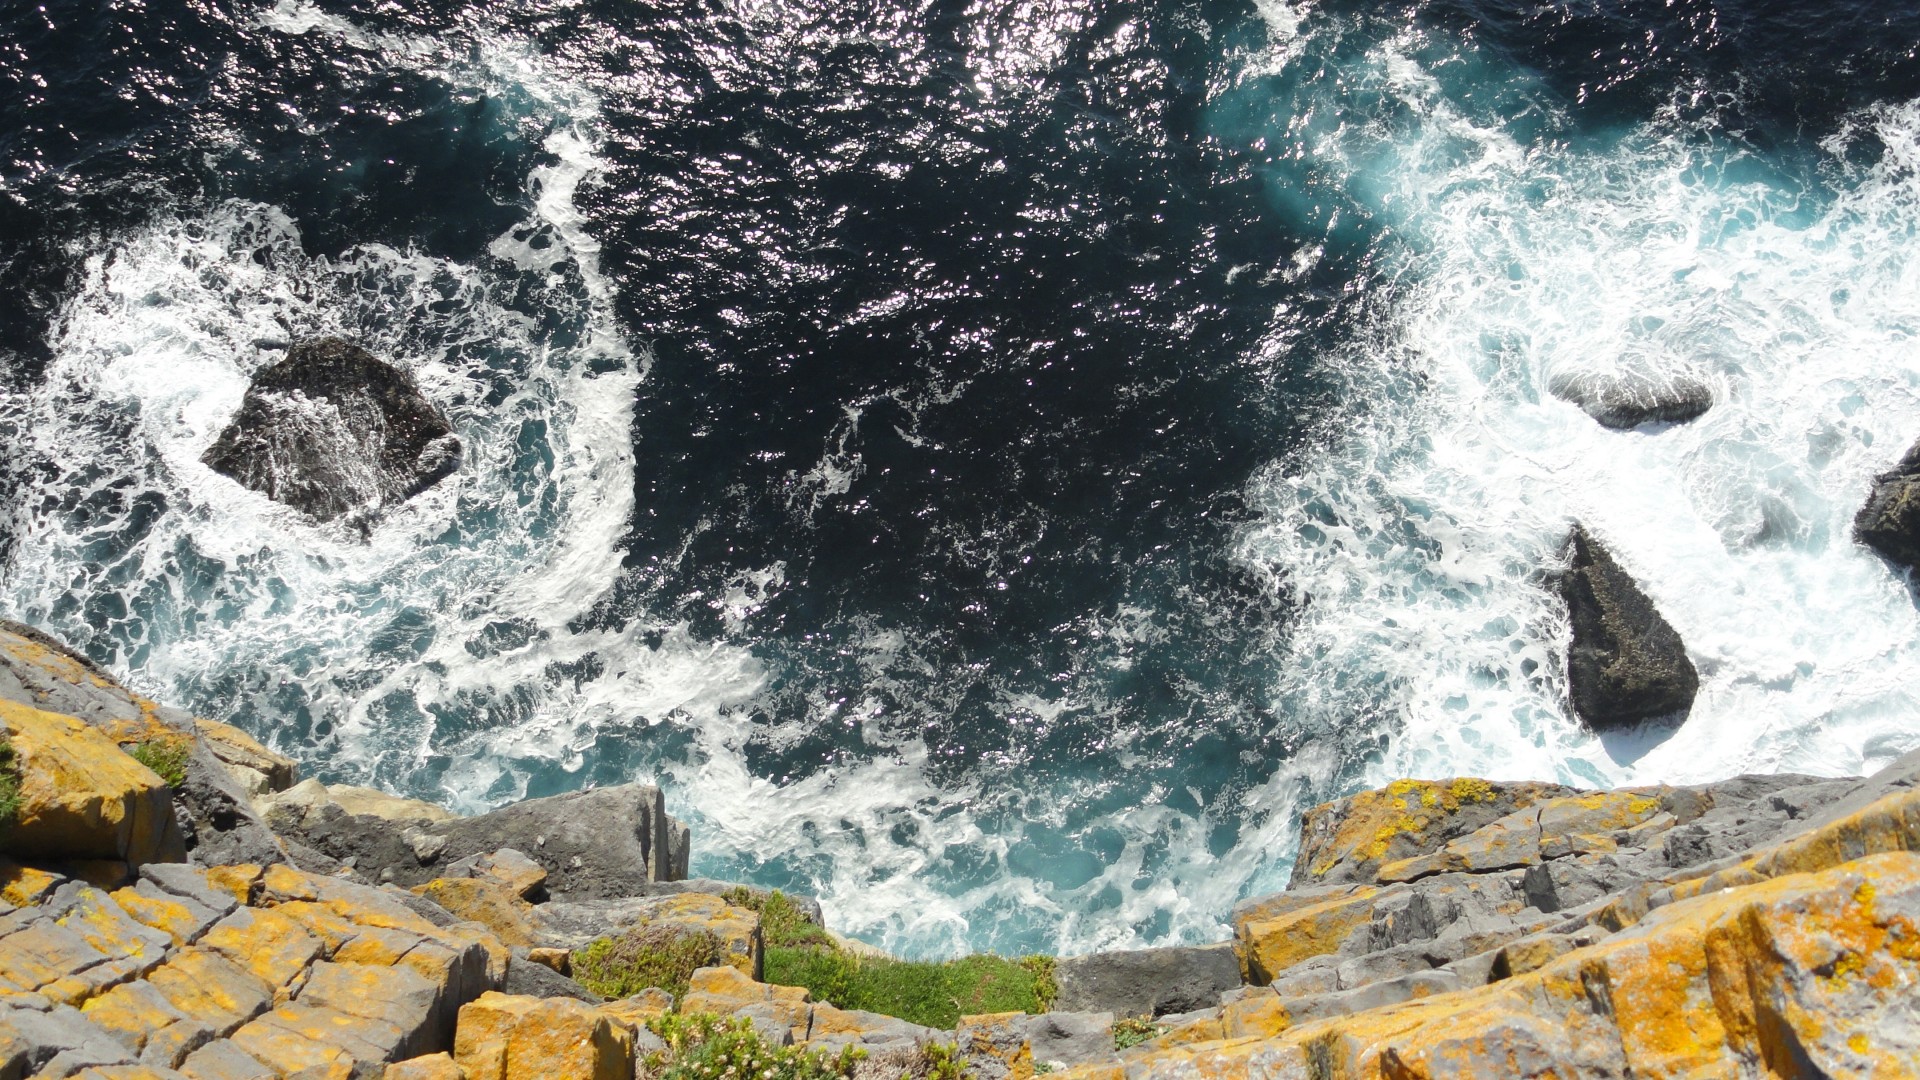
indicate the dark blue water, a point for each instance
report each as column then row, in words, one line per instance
column 980, row 456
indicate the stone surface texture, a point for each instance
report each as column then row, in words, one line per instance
column 1626, row 663
column 1889, row 521
column 330, row 429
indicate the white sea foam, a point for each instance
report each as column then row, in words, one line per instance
column 1417, row 538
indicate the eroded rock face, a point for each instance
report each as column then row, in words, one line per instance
column 1626, row 663
column 1890, row 521
column 332, row 429
column 1630, row 399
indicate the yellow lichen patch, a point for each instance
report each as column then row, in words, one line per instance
column 1469, row 789
column 23, row 886
column 271, row 945
column 81, row 797
column 1273, row 945
column 502, row 1037
column 493, row 906
column 165, row 914
column 242, row 882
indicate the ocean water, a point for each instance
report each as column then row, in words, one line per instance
column 995, row 464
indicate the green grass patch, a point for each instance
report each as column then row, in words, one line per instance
column 9, row 785
column 662, row 956
column 705, row 1047
column 782, row 922
column 935, row 995
column 167, row 757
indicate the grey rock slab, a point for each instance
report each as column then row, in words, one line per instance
column 222, row 1060
column 401, row 997
column 607, row 843
column 62, row 1041
column 1147, row 982
column 201, row 917
column 1071, row 1038
column 1318, row 975
column 187, row 883
column 529, row 979
column 1373, row 995
column 767, row 1023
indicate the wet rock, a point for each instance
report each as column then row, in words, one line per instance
column 1147, row 982
column 1625, row 664
column 331, row 429
column 1889, row 522
column 1629, row 399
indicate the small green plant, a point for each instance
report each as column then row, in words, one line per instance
column 9, row 785
column 1131, row 1031
column 655, row 955
column 700, row 1046
column 1041, row 1068
column 782, row 923
column 1046, row 989
column 166, row 756
column 941, row 1062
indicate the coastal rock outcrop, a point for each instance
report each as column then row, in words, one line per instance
column 1629, row 399
column 331, row 429
column 1763, row 925
column 1625, row 664
column 1889, row 523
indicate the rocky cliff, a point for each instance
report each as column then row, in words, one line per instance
column 173, row 904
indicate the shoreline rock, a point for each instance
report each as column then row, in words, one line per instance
column 1889, row 521
column 330, row 430
column 1626, row 663
column 1631, row 399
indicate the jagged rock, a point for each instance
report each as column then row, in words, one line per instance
column 528, row 979
column 1632, row 398
column 610, row 842
column 1348, row 839
column 81, row 797
column 331, row 429
column 1147, row 982
column 493, row 906
column 1889, row 522
column 829, row 1028
column 1625, row 664
column 995, row 1046
column 506, row 867
column 258, row 770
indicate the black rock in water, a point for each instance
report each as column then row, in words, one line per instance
column 1890, row 521
column 331, row 429
column 1629, row 400
column 1626, row 664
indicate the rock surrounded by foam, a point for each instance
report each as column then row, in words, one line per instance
column 1626, row 663
column 1889, row 523
column 1630, row 399
column 331, row 429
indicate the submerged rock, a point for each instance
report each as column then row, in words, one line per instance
column 1629, row 399
column 331, row 429
column 1626, row 663
column 1889, row 523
